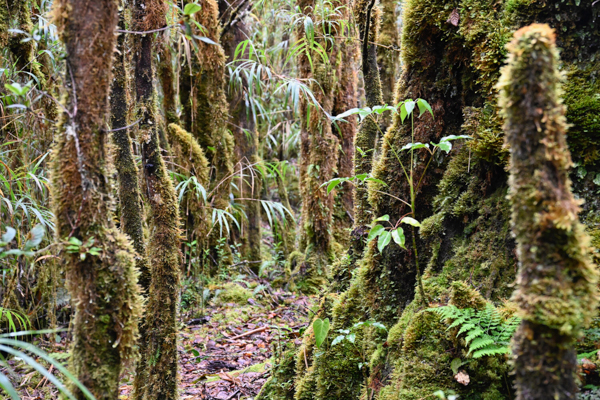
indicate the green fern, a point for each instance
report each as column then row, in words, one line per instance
column 485, row 331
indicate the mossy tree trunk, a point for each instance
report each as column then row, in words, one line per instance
column 319, row 153
column 556, row 286
column 388, row 54
column 205, row 113
column 103, row 287
column 157, row 376
column 345, row 98
column 242, row 124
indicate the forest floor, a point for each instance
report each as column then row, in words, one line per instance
column 225, row 348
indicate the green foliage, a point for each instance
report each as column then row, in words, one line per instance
column 76, row 246
column 485, row 331
column 17, row 348
column 321, row 329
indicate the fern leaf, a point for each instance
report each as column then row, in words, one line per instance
column 465, row 328
column 480, row 343
column 473, row 334
column 490, row 351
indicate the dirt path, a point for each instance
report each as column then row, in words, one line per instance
column 224, row 351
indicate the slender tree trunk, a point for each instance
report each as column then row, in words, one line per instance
column 205, row 111
column 103, row 287
column 161, row 357
column 345, row 99
column 556, row 286
column 319, row 156
column 242, row 125
column 388, row 54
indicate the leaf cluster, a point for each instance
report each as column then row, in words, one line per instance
column 486, row 332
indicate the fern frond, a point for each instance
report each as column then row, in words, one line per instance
column 480, row 343
column 473, row 334
column 490, row 351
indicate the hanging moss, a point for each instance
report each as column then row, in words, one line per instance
column 103, row 288
column 556, row 290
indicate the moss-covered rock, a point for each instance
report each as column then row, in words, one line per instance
column 233, row 293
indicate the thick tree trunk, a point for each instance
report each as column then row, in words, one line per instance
column 556, row 290
column 103, row 287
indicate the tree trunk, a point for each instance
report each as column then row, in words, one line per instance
column 242, row 125
column 103, row 287
column 205, row 111
column 157, row 372
column 556, row 286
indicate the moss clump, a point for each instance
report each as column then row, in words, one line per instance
column 556, row 291
column 280, row 385
column 582, row 98
column 233, row 293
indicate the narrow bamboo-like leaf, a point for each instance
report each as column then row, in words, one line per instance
column 8, row 387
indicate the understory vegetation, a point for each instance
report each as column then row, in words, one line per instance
column 299, row 199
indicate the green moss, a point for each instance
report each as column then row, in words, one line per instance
column 233, row 293
column 556, row 287
column 582, row 98
column 280, row 385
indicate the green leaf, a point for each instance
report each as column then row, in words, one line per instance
column 370, row 179
column 411, row 221
column 191, row 9
column 321, row 328
column 456, row 364
column 383, row 218
column 424, row 106
column 337, row 340
column 351, row 338
column 309, row 29
column 332, row 184
column 384, row 239
column 35, row 237
column 414, row 146
column 379, row 325
column 205, row 40
column 410, row 106
column 348, row 113
column 445, row 146
column 403, row 112
column 195, row 352
column 398, row 236
column 374, row 232
column 11, row 233
column 8, row 387
column 454, row 137
column 75, row 241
